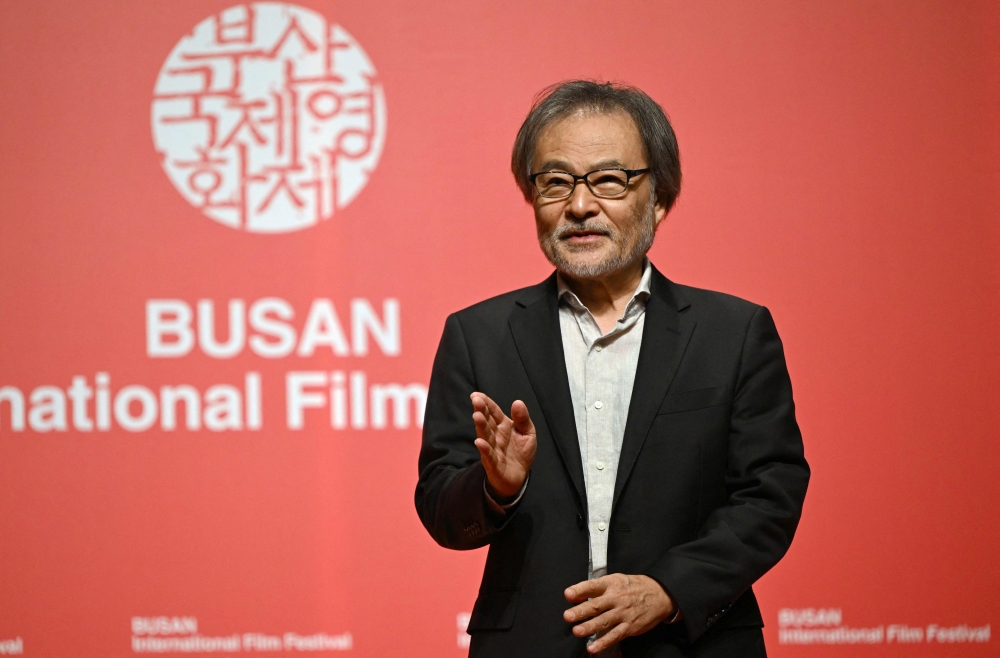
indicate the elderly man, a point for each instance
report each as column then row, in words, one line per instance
column 650, row 469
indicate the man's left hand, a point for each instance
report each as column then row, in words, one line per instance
column 619, row 606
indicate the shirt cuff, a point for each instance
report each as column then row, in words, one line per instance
column 502, row 509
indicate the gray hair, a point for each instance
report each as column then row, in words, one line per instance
column 564, row 99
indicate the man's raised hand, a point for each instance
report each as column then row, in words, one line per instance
column 506, row 445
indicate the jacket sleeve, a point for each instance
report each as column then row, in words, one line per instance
column 450, row 498
column 766, row 479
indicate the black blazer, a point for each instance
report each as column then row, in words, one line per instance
column 710, row 481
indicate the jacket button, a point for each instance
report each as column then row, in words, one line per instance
column 579, row 522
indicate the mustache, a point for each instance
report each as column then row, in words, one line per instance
column 585, row 227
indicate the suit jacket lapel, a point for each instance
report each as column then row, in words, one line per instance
column 665, row 336
column 534, row 324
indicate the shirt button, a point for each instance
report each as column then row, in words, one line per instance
column 602, row 526
column 598, row 404
column 598, row 348
column 600, row 466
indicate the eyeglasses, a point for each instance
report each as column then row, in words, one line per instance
column 604, row 183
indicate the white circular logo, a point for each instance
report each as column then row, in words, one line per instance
column 268, row 117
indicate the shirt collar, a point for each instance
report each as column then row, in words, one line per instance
column 641, row 292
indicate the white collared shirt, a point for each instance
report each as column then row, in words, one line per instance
column 601, row 371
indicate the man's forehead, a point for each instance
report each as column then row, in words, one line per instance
column 591, row 139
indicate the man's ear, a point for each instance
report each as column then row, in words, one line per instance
column 659, row 212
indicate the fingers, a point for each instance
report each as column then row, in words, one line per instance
column 486, row 440
column 603, row 622
column 615, row 635
column 483, row 429
column 481, row 402
column 586, row 590
column 587, row 609
column 619, row 605
column 522, row 420
column 486, row 425
column 488, row 408
column 486, row 450
column 495, row 412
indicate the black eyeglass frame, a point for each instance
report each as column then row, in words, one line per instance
column 629, row 175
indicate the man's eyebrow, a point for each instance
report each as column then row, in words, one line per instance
column 604, row 164
column 562, row 165
column 548, row 165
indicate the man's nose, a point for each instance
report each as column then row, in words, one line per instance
column 582, row 202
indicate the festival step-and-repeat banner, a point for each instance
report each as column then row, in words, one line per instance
column 231, row 234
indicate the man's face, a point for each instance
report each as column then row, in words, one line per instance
column 585, row 236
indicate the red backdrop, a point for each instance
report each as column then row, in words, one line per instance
column 840, row 166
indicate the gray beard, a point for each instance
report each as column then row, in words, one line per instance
column 631, row 245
